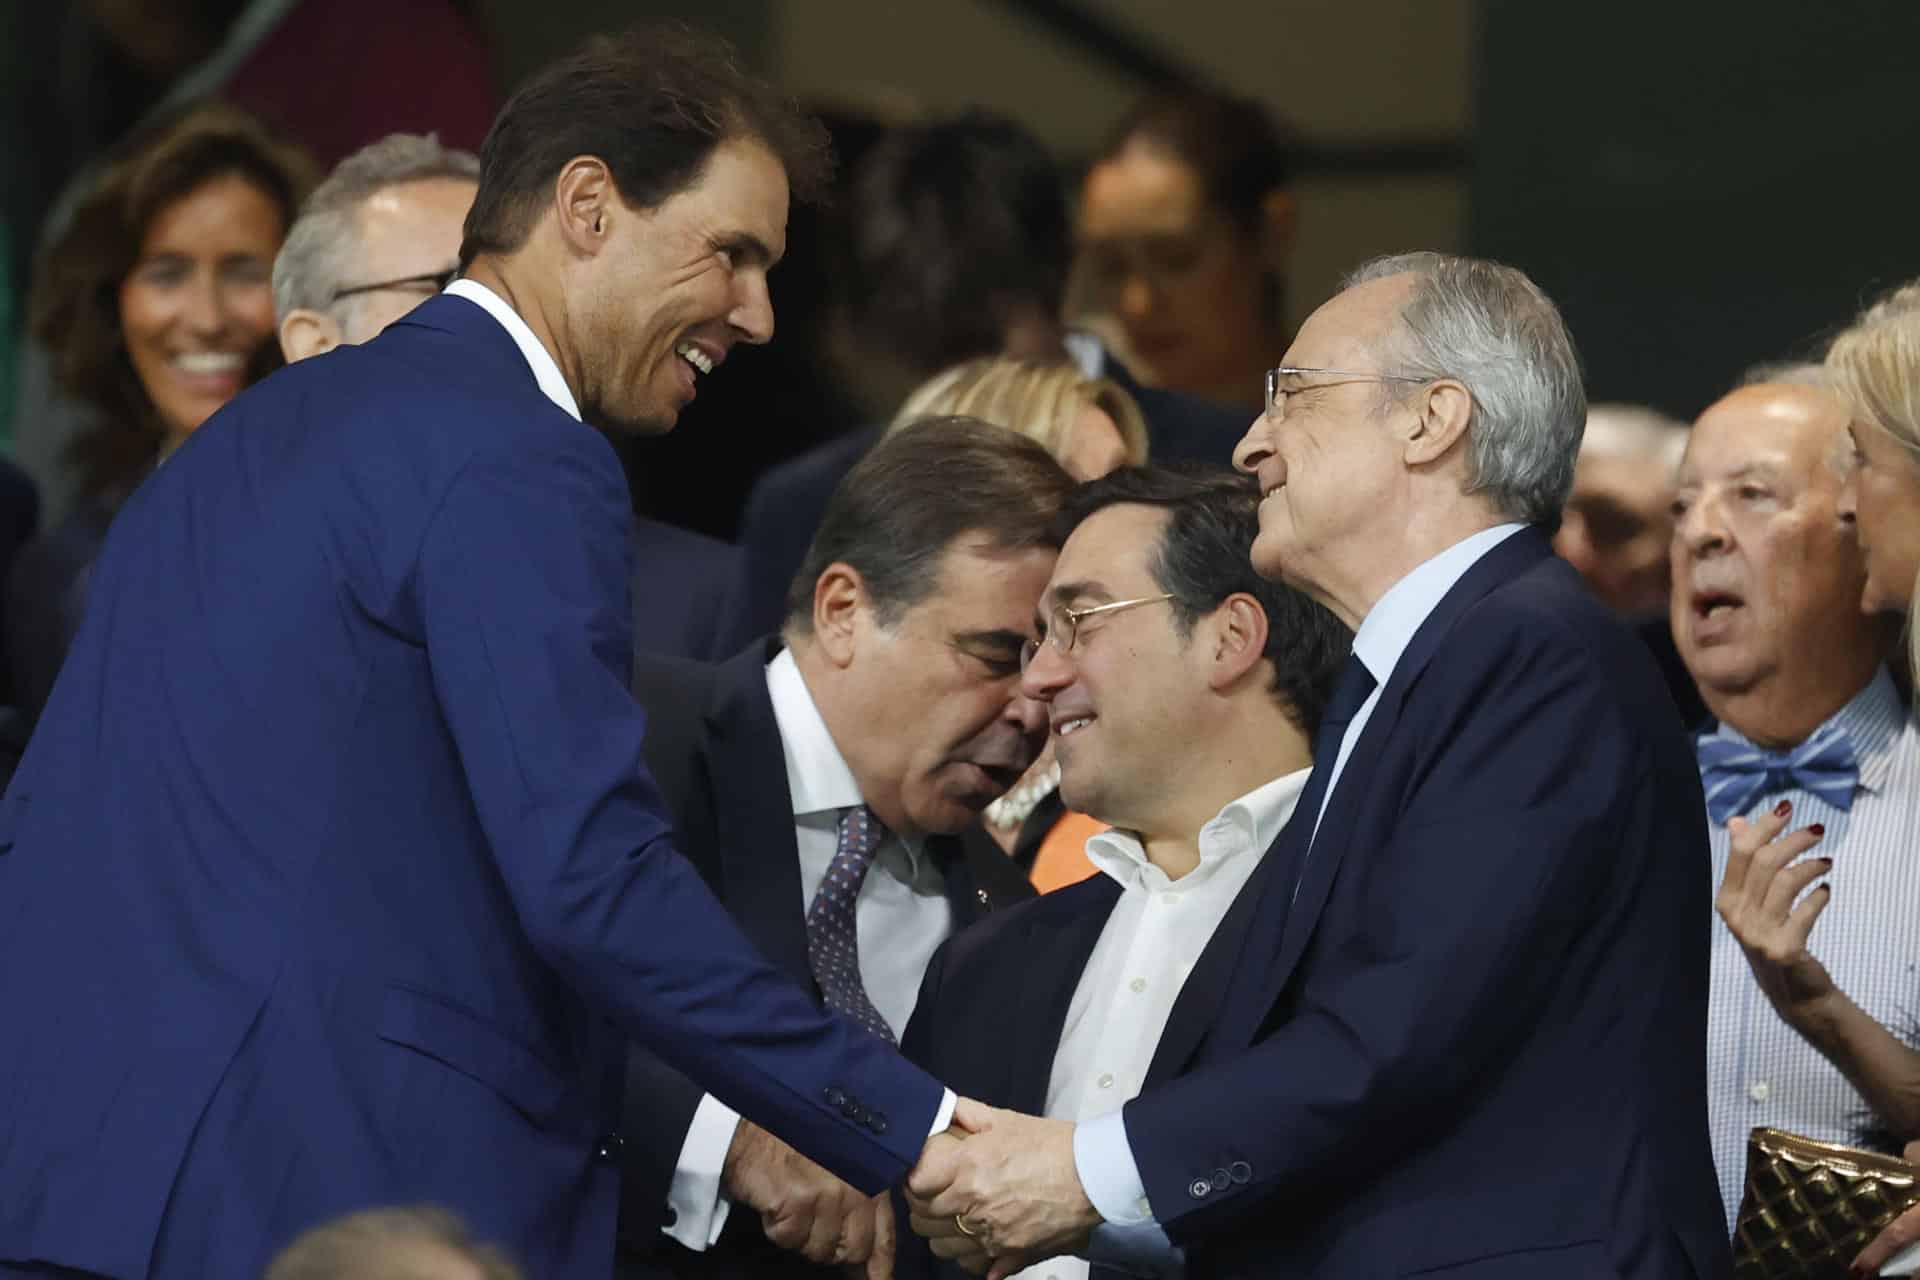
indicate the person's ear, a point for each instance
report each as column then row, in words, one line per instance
column 586, row 204
column 308, row 333
column 840, row 612
column 1442, row 410
column 1238, row 638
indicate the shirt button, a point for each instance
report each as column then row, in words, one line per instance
column 1106, row 1081
column 1759, row 1091
column 1138, row 984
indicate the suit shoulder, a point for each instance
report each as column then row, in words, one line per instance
column 817, row 471
column 693, row 550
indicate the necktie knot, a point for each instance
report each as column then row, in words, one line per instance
column 1350, row 693
column 1736, row 775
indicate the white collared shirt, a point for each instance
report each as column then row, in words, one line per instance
column 1149, row 945
column 901, row 917
column 546, row 372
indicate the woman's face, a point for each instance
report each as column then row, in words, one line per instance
column 198, row 304
column 1188, row 286
column 1883, row 496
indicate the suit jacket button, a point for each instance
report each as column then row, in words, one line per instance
column 1222, row 1179
column 877, row 1123
column 982, row 895
column 608, row 1149
column 835, row 1096
column 856, row 1113
column 1199, row 1188
column 1240, row 1171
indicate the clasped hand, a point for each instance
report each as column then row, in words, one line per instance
column 999, row 1191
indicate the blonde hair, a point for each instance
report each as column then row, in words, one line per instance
column 1040, row 400
column 1875, row 366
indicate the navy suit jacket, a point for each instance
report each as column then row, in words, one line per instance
column 683, row 584
column 784, row 508
column 1474, row 1043
column 714, row 746
column 335, row 851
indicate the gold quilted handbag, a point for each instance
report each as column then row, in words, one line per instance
column 1810, row 1207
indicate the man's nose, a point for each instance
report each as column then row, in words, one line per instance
column 1046, row 673
column 1256, row 446
column 753, row 315
column 1700, row 528
column 1029, row 713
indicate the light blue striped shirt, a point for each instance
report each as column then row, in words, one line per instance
column 1759, row 1070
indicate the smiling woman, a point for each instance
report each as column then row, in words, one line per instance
column 155, row 304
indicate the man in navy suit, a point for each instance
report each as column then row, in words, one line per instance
column 894, row 688
column 1183, row 690
column 333, row 875
column 1464, row 1027
column 959, row 243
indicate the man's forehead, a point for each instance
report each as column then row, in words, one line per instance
column 1108, row 548
column 1777, row 429
column 1351, row 321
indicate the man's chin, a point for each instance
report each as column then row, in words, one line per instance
column 630, row 420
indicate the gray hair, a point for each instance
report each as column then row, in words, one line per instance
column 1635, row 431
column 325, row 238
column 1490, row 328
column 412, row 1243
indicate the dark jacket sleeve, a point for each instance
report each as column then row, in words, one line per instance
column 521, row 587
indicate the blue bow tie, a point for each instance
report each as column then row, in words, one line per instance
column 1736, row 774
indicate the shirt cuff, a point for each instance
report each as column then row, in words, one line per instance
column 1141, row 1250
column 943, row 1118
column 1108, row 1174
column 699, row 1210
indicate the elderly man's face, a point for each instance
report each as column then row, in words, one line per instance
column 1616, row 528
column 1766, row 572
column 677, row 286
column 1328, row 470
column 409, row 236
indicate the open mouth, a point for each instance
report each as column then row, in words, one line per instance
column 1071, row 725
column 1714, row 606
column 703, row 361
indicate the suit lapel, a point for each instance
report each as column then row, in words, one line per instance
column 1053, row 954
column 753, row 814
column 1287, row 917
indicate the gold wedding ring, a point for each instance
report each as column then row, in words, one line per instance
column 960, row 1221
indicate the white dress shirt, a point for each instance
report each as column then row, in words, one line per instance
column 1101, row 1154
column 1150, row 944
column 1759, row 1070
column 901, row 916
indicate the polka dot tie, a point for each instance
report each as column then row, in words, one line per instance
column 833, row 943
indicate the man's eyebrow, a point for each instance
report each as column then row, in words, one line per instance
column 1080, row 590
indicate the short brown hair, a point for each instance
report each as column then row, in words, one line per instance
column 388, row 1244
column 917, row 492
column 653, row 103
column 74, row 307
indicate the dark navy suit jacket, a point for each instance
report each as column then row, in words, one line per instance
column 786, row 504
column 335, row 851
column 714, row 745
column 1474, row 1043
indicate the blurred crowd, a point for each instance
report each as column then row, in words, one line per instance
column 234, row 198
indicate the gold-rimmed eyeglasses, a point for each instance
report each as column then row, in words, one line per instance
column 427, row 282
column 1279, row 383
column 1063, row 624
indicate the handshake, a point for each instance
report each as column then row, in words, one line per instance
column 994, row 1193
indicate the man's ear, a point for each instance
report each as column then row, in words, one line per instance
column 307, row 333
column 586, row 202
column 1442, row 410
column 840, row 610
column 1239, row 638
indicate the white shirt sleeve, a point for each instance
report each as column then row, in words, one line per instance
column 699, row 1210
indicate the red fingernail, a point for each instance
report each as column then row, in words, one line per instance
column 1818, row 828
column 1782, row 809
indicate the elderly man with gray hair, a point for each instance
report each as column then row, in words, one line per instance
column 378, row 237
column 1464, row 1031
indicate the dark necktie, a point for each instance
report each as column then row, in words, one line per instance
column 833, row 940
column 1737, row 774
column 1349, row 694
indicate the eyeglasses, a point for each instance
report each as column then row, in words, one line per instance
column 1277, row 394
column 1063, row 625
column 428, row 282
